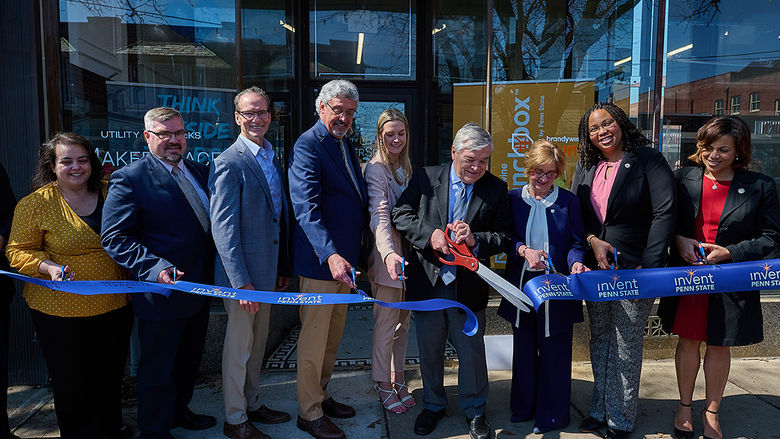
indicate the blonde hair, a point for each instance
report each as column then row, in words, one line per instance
column 390, row 115
column 543, row 152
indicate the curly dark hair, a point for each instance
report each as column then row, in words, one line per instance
column 44, row 169
column 589, row 153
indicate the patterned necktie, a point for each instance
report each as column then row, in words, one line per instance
column 350, row 171
column 447, row 272
column 192, row 197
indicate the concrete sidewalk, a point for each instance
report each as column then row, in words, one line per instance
column 751, row 406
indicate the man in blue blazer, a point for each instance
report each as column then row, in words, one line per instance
column 249, row 225
column 329, row 200
column 156, row 225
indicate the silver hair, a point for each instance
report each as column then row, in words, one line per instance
column 254, row 90
column 338, row 88
column 472, row 137
column 160, row 114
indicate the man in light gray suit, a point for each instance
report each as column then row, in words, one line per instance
column 249, row 224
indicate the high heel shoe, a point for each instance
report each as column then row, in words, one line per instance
column 407, row 400
column 704, row 421
column 683, row 434
column 390, row 407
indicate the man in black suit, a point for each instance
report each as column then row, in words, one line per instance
column 463, row 199
column 156, row 225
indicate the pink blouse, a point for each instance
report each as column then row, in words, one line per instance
column 602, row 186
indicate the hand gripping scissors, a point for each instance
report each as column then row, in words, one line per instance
column 462, row 256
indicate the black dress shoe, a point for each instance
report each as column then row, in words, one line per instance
column 591, row 425
column 336, row 409
column 426, row 421
column 682, row 434
column 479, row 428
column 194, row 421
column 614, row 433
column 265, row 415
column 321, row 428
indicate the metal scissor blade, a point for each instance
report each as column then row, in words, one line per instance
column 505, row 288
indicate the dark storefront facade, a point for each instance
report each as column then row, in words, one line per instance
column 522, row 69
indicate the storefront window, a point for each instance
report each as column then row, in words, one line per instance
column 267, row 45
column 731, row 58
column 355, row 39
column 121, row 58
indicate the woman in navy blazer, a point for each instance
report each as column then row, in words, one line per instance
column 718, row 199
column 541, row 358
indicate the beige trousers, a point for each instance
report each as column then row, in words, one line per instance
column 318, row 343
column 391, row 334
column 242, row 359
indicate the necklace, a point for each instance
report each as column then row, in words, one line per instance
column 714, row 182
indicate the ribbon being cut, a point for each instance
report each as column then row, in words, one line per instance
column 92, row 287
column 604, row 285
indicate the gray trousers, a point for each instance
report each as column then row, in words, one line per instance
column 433, row 327
column 616, row 334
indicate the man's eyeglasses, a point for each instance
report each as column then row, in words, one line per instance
column 167, row 135
column 593, row 129
column 538, row 173
column 262, row 114
column 340, row 111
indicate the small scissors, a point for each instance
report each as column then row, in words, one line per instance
column 63, row 275
column 703, row 256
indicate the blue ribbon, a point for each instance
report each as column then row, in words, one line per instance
column 605, row 285
column 94, row 287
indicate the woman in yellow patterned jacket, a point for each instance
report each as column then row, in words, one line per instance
column 55, row 235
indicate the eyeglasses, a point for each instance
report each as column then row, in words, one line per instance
column 538, row 173
column 340, row 111
column 262, row 114
column 167, row 135
column 593, row 129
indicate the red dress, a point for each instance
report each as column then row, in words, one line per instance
column 691, row 318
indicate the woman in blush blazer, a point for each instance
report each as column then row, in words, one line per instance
column 546, row 223
column 627, row 195
column 732, row 214
column 387, row 174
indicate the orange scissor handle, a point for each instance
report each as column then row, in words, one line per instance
column 461, row 255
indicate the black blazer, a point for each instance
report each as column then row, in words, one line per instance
column 640, row 217
column 749, row 228
column 423, row 207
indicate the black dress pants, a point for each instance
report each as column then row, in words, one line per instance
column 6, row 295
column 86, row 358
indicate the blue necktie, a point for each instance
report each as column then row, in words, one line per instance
column 447, row 272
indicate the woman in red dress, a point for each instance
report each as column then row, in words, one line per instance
column 725, row 214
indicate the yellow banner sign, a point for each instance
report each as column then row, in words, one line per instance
column 522, row 112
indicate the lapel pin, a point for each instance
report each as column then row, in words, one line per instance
column 741, row 190
column 627, row 165
column 552, row 210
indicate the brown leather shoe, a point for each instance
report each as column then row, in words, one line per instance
column 321, row 428
column 244, row 430
column 336, row 409
column 265, row 415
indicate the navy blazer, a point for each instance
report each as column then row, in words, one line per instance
column 423, row 207
column 148, row 225
column 331, row 214
column 566, row 246
column 641, row 209
column 749, row 228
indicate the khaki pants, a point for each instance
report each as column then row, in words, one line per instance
column 318, row 343
column 242, row 359
column 391, row 334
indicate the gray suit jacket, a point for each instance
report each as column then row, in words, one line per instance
column 252, row 243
